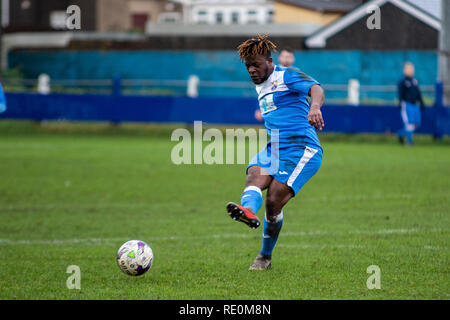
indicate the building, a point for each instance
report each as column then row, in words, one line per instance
column 403, row 26
column 96, row 15
column 227, row 12
column 132, row 15
column 44, row 15
column 111, row 13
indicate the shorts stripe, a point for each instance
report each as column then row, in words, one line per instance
column 307, row 155
column 404, row 114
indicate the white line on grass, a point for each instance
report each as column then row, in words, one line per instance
column 151, row 205
column 115, row 241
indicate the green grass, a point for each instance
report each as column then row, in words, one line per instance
column 73, row 196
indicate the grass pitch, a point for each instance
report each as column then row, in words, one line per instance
column 72, row 198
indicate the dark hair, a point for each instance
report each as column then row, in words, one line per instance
column 287, row 49
column 261, row 45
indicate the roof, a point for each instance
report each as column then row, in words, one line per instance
column 433, row 7
column 325, row 5
column 319, row 38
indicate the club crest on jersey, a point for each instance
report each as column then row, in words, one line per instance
column 274, row 85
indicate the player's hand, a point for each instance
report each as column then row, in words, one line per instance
column 258, row 115
column 315, row 117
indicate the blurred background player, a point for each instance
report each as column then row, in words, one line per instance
column 411, row 103
column 286, row 58
column 2, row 100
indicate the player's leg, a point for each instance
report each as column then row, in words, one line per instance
column 402, row 133
column 251, row 199
column 257, row 180
column 409, row 133
column 412, row 119
column 278, row 195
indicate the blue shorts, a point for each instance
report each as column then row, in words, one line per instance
column 410, row 113
column 293, row 164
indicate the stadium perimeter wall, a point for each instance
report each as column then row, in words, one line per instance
column 213, row 110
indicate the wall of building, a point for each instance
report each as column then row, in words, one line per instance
column 285, row 13
column 116, row 15
column 109, row 13
column 35, row 15
column 261, row 12
column 399, row 31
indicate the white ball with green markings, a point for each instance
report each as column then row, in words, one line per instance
column 135, row 257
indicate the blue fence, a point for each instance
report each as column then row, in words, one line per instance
column 328, row 67
column 216, row 110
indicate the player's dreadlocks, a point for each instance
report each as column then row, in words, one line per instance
column 261, row 45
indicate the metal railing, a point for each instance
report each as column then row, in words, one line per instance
column 335, row 93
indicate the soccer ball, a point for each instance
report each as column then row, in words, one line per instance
column 135, row 257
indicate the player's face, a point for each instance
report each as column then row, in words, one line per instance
column 286, row 58
column 408, row 70
column 258, row 68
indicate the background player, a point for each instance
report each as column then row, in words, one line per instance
column 286, row 57
column 292, row 156
column 409, row 95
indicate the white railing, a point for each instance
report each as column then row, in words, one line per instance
column 351, row 93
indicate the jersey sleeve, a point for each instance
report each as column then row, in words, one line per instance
column 419, row 96
column 298, row 81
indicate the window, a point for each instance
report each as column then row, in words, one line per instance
column 270, row 16
column 202, row 16
column 169, row 17
column 252, row 16
column 235, row 17
column 219, row 17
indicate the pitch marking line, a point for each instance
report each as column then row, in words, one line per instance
column 116, row 241
column 151, row 205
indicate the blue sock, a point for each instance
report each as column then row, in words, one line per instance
column 252, row 198
column 271, row 230
column 409, row 136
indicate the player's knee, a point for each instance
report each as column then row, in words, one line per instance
column 255, row 178
column 252, row 178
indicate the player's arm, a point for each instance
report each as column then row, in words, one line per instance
column 400, row 90
column 317, row 100
column 422, row 105
column 300, row 82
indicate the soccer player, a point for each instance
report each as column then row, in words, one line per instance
column 409, row 95
column 286, row 57
column 293, row 154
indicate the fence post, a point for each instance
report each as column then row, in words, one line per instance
column 353, row 92
column 438, row 104
column 43, row 84
column 192, row 86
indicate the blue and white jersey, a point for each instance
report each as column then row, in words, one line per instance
column 283, row 100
